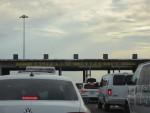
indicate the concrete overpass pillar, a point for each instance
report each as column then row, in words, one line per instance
column 90, row 72
column 84, row 75
column 60, row 71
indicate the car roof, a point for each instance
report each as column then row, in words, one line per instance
column 145, row 63
column 120, row 74
column 27, row 76
column 110, row 74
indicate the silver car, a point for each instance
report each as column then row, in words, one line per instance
column 29, row 93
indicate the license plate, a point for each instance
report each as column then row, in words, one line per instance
column 91, row 92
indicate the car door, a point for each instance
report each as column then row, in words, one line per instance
column 134, row 92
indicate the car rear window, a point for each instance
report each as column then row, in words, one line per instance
column 91, row 86
column 118, row 80
column 121, row 79
column 128, row 79
column 37, row 89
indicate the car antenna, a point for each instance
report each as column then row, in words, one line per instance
column 31, row 75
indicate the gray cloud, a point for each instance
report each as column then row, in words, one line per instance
column 81, row 26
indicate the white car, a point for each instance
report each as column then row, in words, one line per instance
column 113, row 90
column 138, row 99
column 89, row 92
column 29, row 93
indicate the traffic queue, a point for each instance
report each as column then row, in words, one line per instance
column 29, row 92
column 128, row 91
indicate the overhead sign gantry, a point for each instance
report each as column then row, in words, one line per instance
column 72, row 64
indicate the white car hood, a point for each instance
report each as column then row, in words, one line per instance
column 39, row 106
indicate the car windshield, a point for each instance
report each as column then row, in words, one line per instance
column 37, row 89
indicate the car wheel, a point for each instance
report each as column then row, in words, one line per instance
column 106, row 107
column 99, row 105
column 126, row 108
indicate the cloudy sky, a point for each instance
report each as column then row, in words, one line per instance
column 62, row 28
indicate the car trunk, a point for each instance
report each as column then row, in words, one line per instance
column 119, row 87
column 119, row 91
column 39, row 106
column 92, row 92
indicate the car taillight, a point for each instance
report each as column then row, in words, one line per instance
column 83, row 90
column 29, row 98
column 98, row 91
column 92, row 84
column 109, row 92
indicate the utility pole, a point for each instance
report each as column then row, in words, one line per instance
column 24, row 17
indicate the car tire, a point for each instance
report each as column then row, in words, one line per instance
column 106, row 107
column 99, row 105
column 126, row 108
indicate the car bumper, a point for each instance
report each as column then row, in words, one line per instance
column 116, row 101
column 90, row 99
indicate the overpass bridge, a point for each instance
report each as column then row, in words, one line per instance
column 84, row 65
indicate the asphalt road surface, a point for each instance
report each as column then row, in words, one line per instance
column 94, row 109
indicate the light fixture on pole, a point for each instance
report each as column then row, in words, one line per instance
column 24, row 17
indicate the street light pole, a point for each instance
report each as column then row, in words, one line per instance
column 24, row 17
